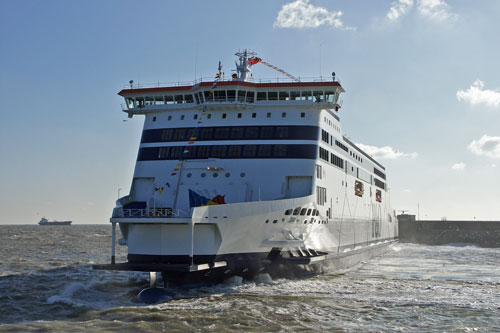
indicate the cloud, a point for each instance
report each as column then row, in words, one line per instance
column 385, row 153
column 476, row 94
column 458, row 166
column 399, row 8
column 435, row 10
column 486, row 146
column 301, row 14
column 407, row 190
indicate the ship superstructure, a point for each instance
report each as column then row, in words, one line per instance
column 239, row 176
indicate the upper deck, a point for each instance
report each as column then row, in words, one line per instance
column 316, row 92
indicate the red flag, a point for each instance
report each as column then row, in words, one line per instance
column 254, row 60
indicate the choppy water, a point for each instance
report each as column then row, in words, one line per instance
column 47, row 284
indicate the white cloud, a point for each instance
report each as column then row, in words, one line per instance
column 385, row 153
column 493, row 165
column 486, row 146
column 301, row 14
column 476, row 94
column 399, row 8
column 436, row 10
column 458, row 166
column 407, row 190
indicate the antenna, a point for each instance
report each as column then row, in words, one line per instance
column 243, row 68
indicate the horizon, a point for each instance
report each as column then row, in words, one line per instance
column 422, row 93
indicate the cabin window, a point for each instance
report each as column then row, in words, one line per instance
column 283, row 115
column 169, row 99
column 154, row 118
column 378, row 196
column 295, row 95
column 237, row 133
column 223, row 116
column 249, row 150
column 163, row 153
column 179, row 99
column 265, row 151
column 169, row 118
column 195, row 116
column 280, row 151
column 241, row 95
column 306, row 96
column 281, row 132
column 159, row 100
column 221, row 133
column 220, row 95
column 269, row 115
column 209, row 116
column 234, row 151
column 130, row 102
column 302, row 115
column 272, row 95
column 139, row 101
column 262, row 96
column 303, row 211
column 320, row 195
column 254, row 115
column 266, row 132
column 319, row 97
column 208, row 97
column 296, row 211
column 239, row 115
column 319, row 172
column 284, row 96
column 182, row 117
column 188, row 98
column 358, row 188
column 203, row 151
column 250, row 96
column 252, row 133
column 149, row 100
column 330, row 96
column 231, row 95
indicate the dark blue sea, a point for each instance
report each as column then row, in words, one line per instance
column 47, row 284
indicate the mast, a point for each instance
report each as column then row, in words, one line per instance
column 243, row 68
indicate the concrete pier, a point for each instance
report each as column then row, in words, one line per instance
column 436, row 232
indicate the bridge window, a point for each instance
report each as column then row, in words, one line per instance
column 241, row 95
column 188, row 98
column 231, row 95
column 250, row 96
column 272, row 95
column 262, row 96
column 284, row 96
column 306, row 96
column 295, row 95
column 159, row 100
column 330, row 96
column 179, row 99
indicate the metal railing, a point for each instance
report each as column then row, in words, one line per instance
column 211, row 79
column 155, row 212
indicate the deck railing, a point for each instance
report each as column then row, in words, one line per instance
column 155, row 212
column 224, row 79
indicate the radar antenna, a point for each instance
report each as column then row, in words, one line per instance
column 243, row 68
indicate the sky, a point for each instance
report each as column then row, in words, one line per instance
column 421, row 78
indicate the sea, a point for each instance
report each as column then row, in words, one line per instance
column 47, row 284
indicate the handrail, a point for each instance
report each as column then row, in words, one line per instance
column 211, row 79
column 154, row 212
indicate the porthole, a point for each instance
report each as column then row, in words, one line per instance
column 169, row 117
column 195, row 116
column 182, row 117
column 203, row 175
column 223, row 116
column 275, row 221
column 269, row 115
column 254, row 115
column 283, row 115
column 242, row 174
column 267, row 221
column 189, row 175
column 239, row 115
column 228, row 174
column 302, row 115
column 215, row 175
column 305, row 221
column 154, row 118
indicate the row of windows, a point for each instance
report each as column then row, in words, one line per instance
column 341, row 145
column 224, row 116
column 325, row 136
column 330, row 157
column 242, row 96
column 302, row 211
column 379, row 173
column 379, row 183
column 356, row 156
column 231, row 133
column 227, row 151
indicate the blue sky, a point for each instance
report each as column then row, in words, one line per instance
column 421, row 78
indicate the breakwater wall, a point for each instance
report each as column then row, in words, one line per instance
column 481, row 233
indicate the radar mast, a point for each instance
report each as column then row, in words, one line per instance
column 243, row 68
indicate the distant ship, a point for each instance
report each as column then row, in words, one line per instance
column 44, row 221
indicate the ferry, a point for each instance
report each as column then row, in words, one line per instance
column 239, row 176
